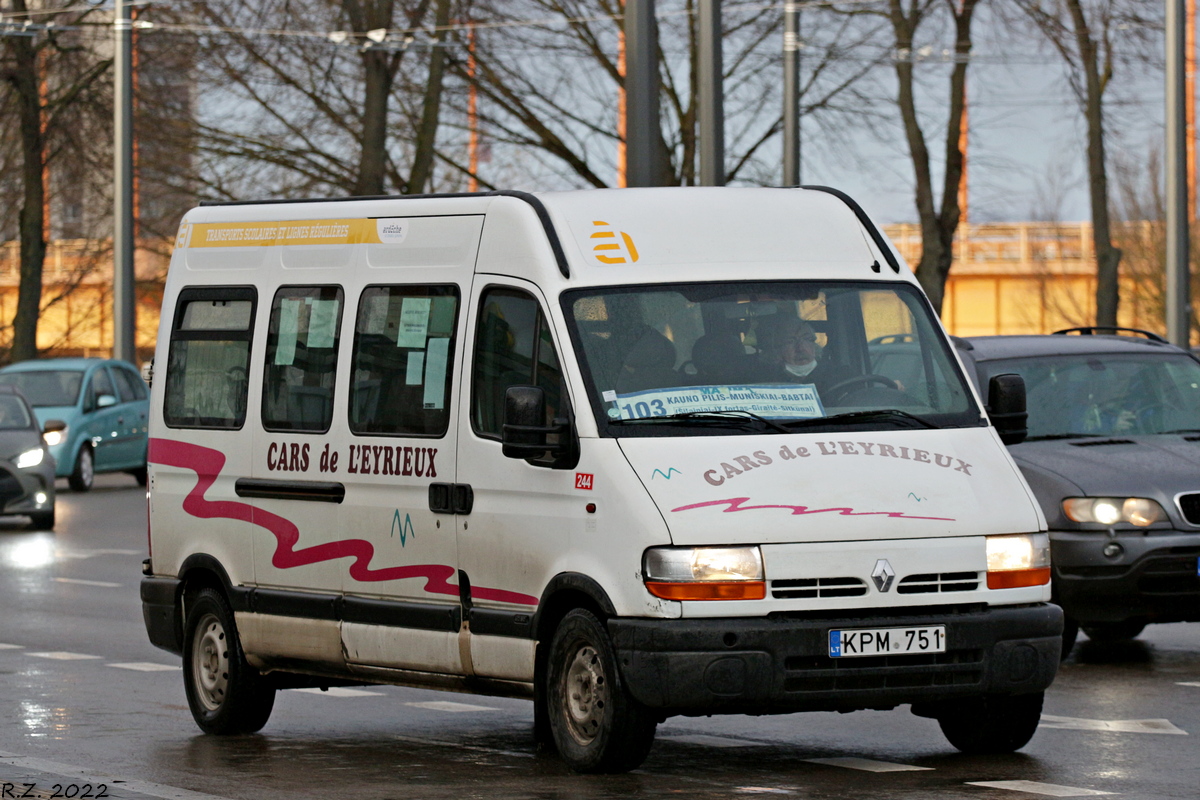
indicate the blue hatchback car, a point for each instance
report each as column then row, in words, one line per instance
column 93, row 413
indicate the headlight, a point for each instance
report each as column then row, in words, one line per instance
column 54, row 437
column 1018, row 560
column 704, row 573
column 30, row 458
column 1137, row 511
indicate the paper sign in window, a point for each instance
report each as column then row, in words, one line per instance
column 436, row 360
column 414, row 322
column 289, row 328
column 416, row 367
column 441, row 319
column 375, row 314
column 322, row 323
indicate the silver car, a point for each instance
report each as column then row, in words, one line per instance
column 1113, row 455
column 26, row 466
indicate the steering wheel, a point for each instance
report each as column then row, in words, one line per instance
column 842, row 388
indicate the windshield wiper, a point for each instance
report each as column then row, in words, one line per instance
column 1052, row 436
column 862, row 416
column 737, row 418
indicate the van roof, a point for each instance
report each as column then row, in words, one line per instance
column 613, row 236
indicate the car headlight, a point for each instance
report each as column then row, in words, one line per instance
column 1017, row 560
column 30, row 458
column 53, row 438
column 704, row 573
column 1138, row 511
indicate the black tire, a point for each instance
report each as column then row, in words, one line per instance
column 226, row 694
column 42, row 520
column 993, row 724
column 597, row 725
column 1070, row 634
column 84, row 473
column 139, row 475
column 1114, row 631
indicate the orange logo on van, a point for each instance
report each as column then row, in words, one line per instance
column 614, row 247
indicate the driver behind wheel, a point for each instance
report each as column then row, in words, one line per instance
column 789, row 353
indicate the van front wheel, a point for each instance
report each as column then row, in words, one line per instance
column 597, row 725
column 993, row 724
column 225, row 693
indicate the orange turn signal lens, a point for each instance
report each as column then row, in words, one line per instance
column 1016, row 578
column 708, row 590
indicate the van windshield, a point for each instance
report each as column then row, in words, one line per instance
column 683, row 359
column 43, row 388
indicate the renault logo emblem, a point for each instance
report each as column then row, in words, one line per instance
column 883, row 575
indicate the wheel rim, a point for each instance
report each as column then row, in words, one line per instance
column 210, row 663
column 87, row 471
column 586, row 693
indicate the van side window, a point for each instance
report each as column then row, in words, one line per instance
column 403, row 360
column 209, row 358
column 513, row 347
column 301, row 359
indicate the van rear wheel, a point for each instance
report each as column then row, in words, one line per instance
column 597, row 725
column 992, row 724
column 226, row 694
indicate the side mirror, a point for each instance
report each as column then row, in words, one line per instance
column 1006, row 407
column 105, row 400
column 525, row 435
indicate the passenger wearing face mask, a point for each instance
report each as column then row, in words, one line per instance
column 789, row 353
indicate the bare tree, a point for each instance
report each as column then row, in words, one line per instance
column 550, row 91
column 1093, row 37
column 49, row 74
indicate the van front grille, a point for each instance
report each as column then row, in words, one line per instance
column 823, row 674
column 806, row 588
column 930, row 582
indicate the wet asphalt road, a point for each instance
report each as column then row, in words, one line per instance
column 87, row 703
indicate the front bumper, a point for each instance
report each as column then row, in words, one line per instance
column 781, row 664
column 1155, row 578
column 19, row 488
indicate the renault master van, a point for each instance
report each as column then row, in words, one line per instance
column 630, row 454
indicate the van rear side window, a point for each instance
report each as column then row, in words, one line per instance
column 302, row 347
column 209, row 358
column 403, row 360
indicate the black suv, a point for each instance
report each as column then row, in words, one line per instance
column 1113, row 455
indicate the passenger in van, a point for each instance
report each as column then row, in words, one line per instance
column 649, row 364
column 789, row 353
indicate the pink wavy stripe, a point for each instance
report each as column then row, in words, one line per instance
column 735, row 504
column 207, row 464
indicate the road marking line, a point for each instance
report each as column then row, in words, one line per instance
column 80, row 554
column 1112, row 725
column 145, row 666
column 867, row 764
column 341, row 691
column 761, row 790
column 10, row 646
column 711, row 741
column 1036, row 787
column 81, row 582
column 59, row 655
column 141, row 787
column 1187, row 683
column 452, row 707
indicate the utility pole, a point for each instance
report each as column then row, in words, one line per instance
column 642, row 134
column 712, row 96
column 1178, row 278
column 791, row 94
column 124, row 346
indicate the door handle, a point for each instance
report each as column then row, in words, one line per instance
column 451, row 498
